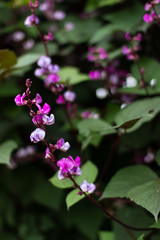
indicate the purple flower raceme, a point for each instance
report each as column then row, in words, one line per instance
column 37, row 135
column 151, row 16
column 69, row 165
column 31, row 20
column 87, row 187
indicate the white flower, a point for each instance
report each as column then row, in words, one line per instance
column 37, row 135
column 130, row 82
column 101, row 93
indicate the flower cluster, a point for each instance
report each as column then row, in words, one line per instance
column 96, row 54
column 152, row 15
column 131, row 53
column 89, row 114
column 67, row 166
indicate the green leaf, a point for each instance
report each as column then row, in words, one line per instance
column 103, row 3
column 156, row 225
column 65, row 183
column 94, row 4
column 27, row 59
column 7, row 59
column 88, row 126
column 138, row 183
column 72, row 75
column 147, row 196
column 73, row 197
column 137, row 113
column 103, row 235
column 6, row 149
column 141, row 237
column 157, row 157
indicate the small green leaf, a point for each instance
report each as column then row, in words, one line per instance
column 7, row 59
column 65, row 183
column 5, row 151
column 73, row 197
column 72, row 75
column 156, row 225
column 27, row 59
column 141, row 237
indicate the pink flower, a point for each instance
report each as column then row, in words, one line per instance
column 37, row 135
column 69, row 96
column 48, row 37
column 53, row 68
column 31, row 20
column 147, row 18
column 38, row 98
column 45, row 110
column 59, row 15
column 51, row 79
column 147, row 6
column 128, row 36
column 61, row 145
column 87, row 187
column 125, row 50
column 96, row 54
column 20, row 100
column 67, row 164
column 94, row 74
column 44, row 61
column 60, row 100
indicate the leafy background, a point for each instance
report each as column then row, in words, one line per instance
column 31, row 206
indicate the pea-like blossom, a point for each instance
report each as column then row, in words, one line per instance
column 20, row 100
column 94, row 74
column 62, row 145
column 101, row 93
column 59, row 15
column 44, row 61
column 43, row 110
column 51, row 79
column 87, row 187
column 31, row 20
column 69, row 96
column 69, row 165
column 96, row 54
column 60, row 99
column 37, row 135
column 88, row 114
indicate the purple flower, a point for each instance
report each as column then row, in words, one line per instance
column 38, row 98
column 69, row 26
column 59, row 15
column 37, row 135
column 94, row 74
column 20, row 100
column 96, row 54
column 61, row 145
column 51, row 79
column 45, row 110
column 48, row 37
column 87, row 187
column 60, row 99
column 31, row 20
column 44, row 61
column 53, row 68
column 69, row 96
column 48, row 120
column 39, row 72
column 147, row 6
column 147, row 18
column 67, row 164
